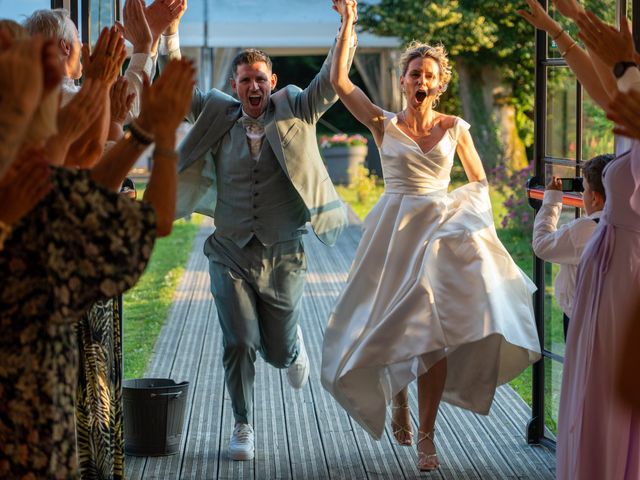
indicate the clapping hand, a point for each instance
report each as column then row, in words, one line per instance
column 539, row 18
column 608, row 43
column 22, row 79
column 107, row 58
column 624, row 111
column 121, row 101
column 568, row 8
column 164, row 16
column 82, row 110
column 165, row 103
column 136, row 28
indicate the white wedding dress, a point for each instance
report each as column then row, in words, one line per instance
column 430, row 279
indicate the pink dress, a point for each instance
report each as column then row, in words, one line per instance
column 598, row 435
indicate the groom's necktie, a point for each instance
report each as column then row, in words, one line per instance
column 255, row 134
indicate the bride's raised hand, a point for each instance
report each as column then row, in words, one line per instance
column 539, row 18
column 346, row 8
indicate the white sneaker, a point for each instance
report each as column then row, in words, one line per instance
column 298, row 372
column 241, row 444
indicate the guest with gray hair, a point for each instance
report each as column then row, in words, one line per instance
column 57, row 24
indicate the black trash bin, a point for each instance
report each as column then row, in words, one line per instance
column 153, row 416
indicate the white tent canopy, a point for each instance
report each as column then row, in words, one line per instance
column 272, row 24
column 213, row 31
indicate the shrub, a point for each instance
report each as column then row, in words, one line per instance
column 513, row 186
column 363, row 183
column 341, row 140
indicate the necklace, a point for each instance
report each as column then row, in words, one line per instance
column 413, row 132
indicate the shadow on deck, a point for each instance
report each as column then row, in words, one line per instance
column 305, row 434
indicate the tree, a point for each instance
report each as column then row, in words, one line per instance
column 492, row 49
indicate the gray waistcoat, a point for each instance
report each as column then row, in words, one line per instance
column 254, row 198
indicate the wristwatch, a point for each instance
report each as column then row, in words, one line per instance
column 621, row 67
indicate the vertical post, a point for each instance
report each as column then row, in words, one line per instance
column 117, row 10
column 535, row 427
column 86, row 21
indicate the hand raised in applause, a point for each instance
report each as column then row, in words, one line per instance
column 608, row 43
column 568, row 8
column 165, row 103
column 121, row 101
column 107, row 58
column 538, row 17
column 22, row 79
column 136, row 28
column 624, row 111
column 157, row 15
column 81, row 111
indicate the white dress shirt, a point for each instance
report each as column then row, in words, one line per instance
column 563, row 245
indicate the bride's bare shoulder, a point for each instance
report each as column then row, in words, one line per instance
column 447, row 121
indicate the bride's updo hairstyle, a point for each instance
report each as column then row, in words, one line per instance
column 417, row 49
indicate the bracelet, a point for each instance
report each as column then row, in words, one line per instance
column 557, row 36
column 568, row 48
column 142, row 136
column 165, row 152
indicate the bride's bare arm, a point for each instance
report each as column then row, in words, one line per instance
column 352, row 97
column 470, row 159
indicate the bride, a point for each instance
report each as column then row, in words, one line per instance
column 432, row 294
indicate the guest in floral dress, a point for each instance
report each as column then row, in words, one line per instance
column 83, row 242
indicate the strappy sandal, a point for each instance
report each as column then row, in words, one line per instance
column 402, row 434
column 427, row 462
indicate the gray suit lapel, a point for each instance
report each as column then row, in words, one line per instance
column 271, row 133
column 217, row 128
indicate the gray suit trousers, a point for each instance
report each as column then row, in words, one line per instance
column 257, row 290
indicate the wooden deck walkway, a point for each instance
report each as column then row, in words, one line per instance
column 305, row 434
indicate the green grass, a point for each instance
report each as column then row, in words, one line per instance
column 147, row 304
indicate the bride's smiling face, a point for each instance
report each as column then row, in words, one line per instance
column 421, row 82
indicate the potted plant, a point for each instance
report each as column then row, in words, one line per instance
column 343, row 154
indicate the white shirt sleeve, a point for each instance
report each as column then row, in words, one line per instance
column 140, row 64
column 630, row 80
column 169, row 44
column 562, row 245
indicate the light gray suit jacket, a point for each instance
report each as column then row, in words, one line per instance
column 290, row 131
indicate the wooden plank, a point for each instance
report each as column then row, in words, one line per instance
column 339, row 448
column 304, row 441
column 201, row 454
column 378, row 458
column 515, row 410
column 272, row 450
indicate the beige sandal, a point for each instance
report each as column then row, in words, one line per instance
column 402, row 434
column 427, row 462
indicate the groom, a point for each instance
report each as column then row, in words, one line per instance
column 253, row 164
